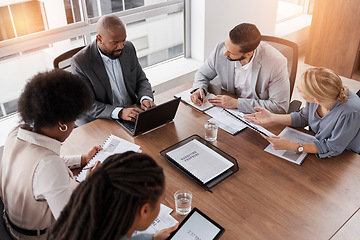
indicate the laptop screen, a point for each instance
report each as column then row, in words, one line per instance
column 153, row 117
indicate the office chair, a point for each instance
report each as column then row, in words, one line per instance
column 4, row 235
column 63, row 60
column 290, row 50
column 358, row 93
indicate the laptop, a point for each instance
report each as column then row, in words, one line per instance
column 151, row 118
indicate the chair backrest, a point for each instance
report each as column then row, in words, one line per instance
column 290, row 50
column 358, row 93
column 63, row 60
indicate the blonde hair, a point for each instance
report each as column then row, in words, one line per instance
column 323, row 84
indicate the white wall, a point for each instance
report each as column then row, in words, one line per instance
column 211, row 21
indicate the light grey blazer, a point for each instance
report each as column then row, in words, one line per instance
column 89, row 65
column 270, row 78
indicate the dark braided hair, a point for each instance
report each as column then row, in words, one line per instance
column 104, row 205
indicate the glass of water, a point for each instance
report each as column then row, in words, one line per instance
column 183, row 200
column 211, row 130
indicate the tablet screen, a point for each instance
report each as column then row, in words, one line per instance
column 197, row 226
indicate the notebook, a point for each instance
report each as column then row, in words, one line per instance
column 197, row 225
column 151, row 118
column 112, row 145
column 185, row 97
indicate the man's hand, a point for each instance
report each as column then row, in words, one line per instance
column 146, row 104
column 224, row 101
column 129, row 114
column 197, row 97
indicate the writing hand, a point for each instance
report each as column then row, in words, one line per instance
column 198, row 98
column 146, row 104
column 224, row 101
column 129, row 114
column 85, row 158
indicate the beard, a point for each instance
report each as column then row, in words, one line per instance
column 111, row 54
column 239, row 59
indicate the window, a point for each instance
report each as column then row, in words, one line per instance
column 289, row 9
column 33, row 33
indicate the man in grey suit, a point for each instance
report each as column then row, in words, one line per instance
column 111, row 68
column 252, row 70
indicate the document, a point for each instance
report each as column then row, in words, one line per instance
column 163, row 220
column 112, row 145
column 233, row 121
column 185, row 97
column 200, row 160
column 295, row 136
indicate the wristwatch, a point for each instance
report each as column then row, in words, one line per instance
column 300, row 149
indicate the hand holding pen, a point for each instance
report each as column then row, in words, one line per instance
column 198, row 97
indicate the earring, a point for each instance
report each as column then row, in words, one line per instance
column 63, row 130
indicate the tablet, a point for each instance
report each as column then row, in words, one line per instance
column 197, row 225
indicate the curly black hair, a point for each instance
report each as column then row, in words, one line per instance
column 53, row 96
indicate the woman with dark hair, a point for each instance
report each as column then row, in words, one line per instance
column 35, row 181
column 121, row 196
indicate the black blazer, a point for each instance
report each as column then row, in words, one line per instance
column 89, row 65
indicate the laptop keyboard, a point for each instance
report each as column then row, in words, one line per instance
column 129, row 125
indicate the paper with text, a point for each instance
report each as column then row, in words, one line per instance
column 112, row 145
column 185, row 96
column 201, row 161
column 295, row 136
column 163, row 220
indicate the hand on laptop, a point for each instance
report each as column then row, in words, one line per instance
column 129, row 114
column 146, row 104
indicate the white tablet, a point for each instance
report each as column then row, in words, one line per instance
column 197, row 225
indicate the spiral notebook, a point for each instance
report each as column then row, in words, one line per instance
column 112, row 145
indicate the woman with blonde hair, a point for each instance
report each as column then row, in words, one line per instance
column 331, row 111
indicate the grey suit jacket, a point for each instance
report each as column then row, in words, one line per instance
column 89, row 65
column 270, row 78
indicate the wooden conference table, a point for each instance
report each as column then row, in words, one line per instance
column 268, row 198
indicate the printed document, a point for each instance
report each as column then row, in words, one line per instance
column 163, row 220
column 295, row 136
column 200, row 160
column 185, row 96
column 112, row 145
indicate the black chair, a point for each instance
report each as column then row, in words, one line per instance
column 358, row 93
column 63, row 60
column 4, row 235
column 290, row 50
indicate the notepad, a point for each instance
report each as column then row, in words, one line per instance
column 112, row 145
column 185, row 97
column 201, row 161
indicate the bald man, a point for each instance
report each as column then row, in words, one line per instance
column 111, row 68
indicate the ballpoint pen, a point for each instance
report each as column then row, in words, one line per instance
column 201, row 97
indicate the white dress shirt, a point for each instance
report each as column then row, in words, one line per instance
column 242, row 79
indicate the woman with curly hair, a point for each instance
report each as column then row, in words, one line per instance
column 121, row 196
column 35, row 181
column 331, row 111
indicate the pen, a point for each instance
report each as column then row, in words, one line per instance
column 248, row 124
column 201, row 96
